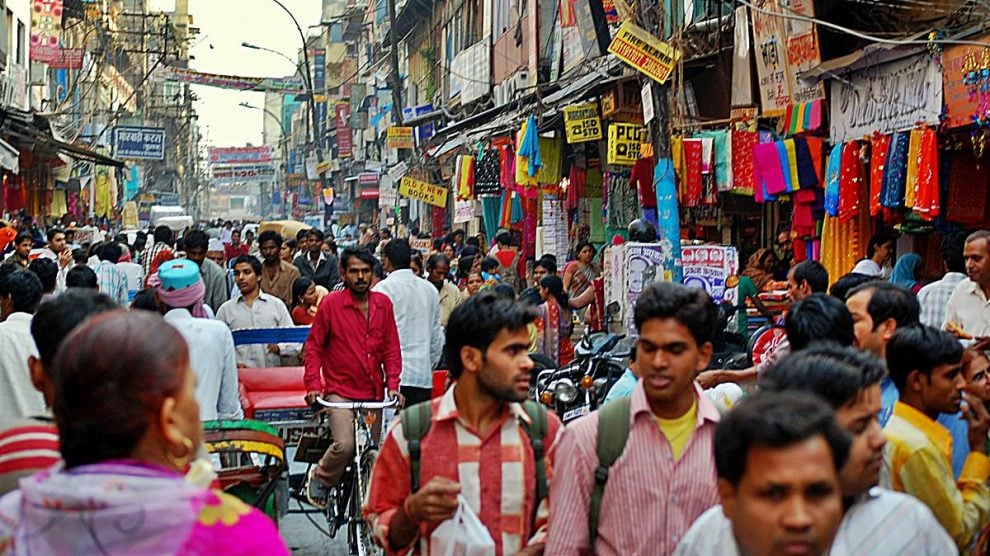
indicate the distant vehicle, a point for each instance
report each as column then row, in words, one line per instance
column 160, row 211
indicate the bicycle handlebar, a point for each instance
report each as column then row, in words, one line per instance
column 357, row 405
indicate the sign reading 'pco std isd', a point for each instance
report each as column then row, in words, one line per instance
column 421, row 191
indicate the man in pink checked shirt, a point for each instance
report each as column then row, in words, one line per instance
column 667, row 468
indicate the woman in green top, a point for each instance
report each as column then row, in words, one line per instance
column 747, row 290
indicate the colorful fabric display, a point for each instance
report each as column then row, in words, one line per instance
column 692, row 192
column 807, row 164
column 767, row 157
column 707, row 155
column 914, row 160
column 927, row 204
column 851, row 180
column 488, row 173
column 575, row 190
column 464, row 176
column 804, row 116
column 721, row 157
column 642, row 179
column 742, row 161
column 788, row 161
column 878, row 163
column 832, row 181
column 895, row 172
column 529, row 148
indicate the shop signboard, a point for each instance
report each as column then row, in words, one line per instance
column 893, row 96
column 422, row 245
column 368, row 179
column 963, row 101
column 769, row 36
column 463, row 211
column 242, row 173
column 422, row 191
column 803, row 53
column 240, row 155
column 345, row 139
column 581, row 122
column 144, row 143
column 708, row 267
column 651, row 56
column 68, row 58
column 623, row 143
column 399, row 137
column 368, row 193
column 46, row 30
column 280, row 85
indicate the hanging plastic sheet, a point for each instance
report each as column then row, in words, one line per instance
column 669, row 228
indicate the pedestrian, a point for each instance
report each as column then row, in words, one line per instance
column 212, row 356
column 277, row 275
column 934, row 298
column 251, row 243
column 159, row 252
column 214, row 252
column 20, row 294
column 974, row 371
column 253, row 308
column 227, row 232
column 314, row 264
column 81, row 276
column 58, row 252
column 760, row 269
column 967, row 312
column 476, row 441
column 818, row 318
column 288, row 250
column 778, row 457
column 664, row 432
column 876, row 520
column 473, row 284
column 47, row 271
column 352, row 354
column 20, row 257
column 508, row 260
column 924, row 364
column 878, row 310
column 128, row 428
column 30, row 445
column 906, row 272
column 304, row 301
column 554, row 325
column 110, row 279
column 132, row 270
column 416, row 305
column 235, row 248
column 543, row 267
column 579, row 273
column 8, row 232
column 437, row 273
column 879, row 252
column 465, row 266
column 213, row 276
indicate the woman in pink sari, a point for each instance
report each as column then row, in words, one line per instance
column 129, row 426
column 554, row 325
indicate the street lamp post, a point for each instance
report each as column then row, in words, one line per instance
column 283, row 139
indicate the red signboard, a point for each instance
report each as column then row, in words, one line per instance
column 963, row 102
column 68, row 58
column 345, row 143
column 369, row 193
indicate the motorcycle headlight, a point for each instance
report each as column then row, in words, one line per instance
column 599, row 386
column 565, row 391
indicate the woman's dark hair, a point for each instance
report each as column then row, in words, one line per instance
column 478, row 320
column 919, row 348
column 472, row 242
column 841, row 288
column 503, row 238
column 47, row 271
column 360, row 253
column 489, row 264
column 833, row 373
column 248, row 259
column 818, row 318
column 548, row 263
column 145, row 300
column 691, row 307
column 416, row 259
column 464, row 265
column 299, row 288
column 580, row 247
column 775, row 420
column 470, row 251
column 878, row 239
column 291, row 244
column 81, row 276
column 555, row 287
column 106, row 400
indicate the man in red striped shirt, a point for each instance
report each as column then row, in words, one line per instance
column 667, row 468
column 30, row 445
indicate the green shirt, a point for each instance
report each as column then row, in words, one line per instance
column 746, row 290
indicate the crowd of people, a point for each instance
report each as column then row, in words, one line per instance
column 865, row 432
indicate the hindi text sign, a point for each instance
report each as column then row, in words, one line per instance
column 635, row 46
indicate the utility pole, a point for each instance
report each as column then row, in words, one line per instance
column 394, row 58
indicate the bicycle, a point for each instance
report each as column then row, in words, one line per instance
column 346, row 498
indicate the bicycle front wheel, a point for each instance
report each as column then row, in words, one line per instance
column 360, row 535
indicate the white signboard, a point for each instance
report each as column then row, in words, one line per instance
column 709, row 267
column 886, row 98
column 463, row 211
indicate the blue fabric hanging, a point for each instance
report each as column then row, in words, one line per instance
column 832, row 181
column 530, row 147
column 517, row 209
column 895, row 171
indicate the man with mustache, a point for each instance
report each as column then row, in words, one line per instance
column 352, row 354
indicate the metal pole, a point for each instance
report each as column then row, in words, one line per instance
column 394, row 58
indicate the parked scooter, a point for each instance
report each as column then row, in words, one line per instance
column 730, row 349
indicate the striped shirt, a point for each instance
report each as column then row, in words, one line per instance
column 112, row 281
column 26, row 446
column 645, row 481
column 918, row 461
column 496, row 474
column 881, row 522
column 934, row 297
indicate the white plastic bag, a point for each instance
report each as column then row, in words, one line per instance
column 462, row 535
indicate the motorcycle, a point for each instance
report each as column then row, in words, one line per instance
column 729, row 349
column 580, row 387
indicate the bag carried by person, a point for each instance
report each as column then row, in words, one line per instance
column 462, row 535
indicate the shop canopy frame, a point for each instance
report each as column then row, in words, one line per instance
column 34, row 133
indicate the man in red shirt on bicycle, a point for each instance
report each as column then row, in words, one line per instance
column 352, row 354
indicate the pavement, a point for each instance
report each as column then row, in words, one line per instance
column 303, row 537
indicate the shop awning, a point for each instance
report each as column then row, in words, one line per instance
column 9, row 157
column 34, row 133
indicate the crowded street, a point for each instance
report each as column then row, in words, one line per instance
column 486, row 278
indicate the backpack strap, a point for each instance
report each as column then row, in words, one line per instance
column 416, row 421
column 613, row 431
column 536, row 430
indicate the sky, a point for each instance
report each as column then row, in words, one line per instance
column 223, row 26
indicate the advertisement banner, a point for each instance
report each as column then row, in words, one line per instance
column 581, row 122
column 771, row 62
column 345, row 144
column 68, row 58
column 886, row 98
column 435, row 195
column 46, row 30
column 144, row 143
column 651, row 56
column 399, row 137
column 708, row 267
column 463, row 211
column 240, row 155
column 803, row 53
column 281, row 85
column 965, row 102
column 242, row 173
column 425, row 131
column 623, row 143
column 643, row 265
column 319, row 86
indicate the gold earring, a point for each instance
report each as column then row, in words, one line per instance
column 180, row 463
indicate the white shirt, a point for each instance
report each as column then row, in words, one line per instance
column 267, row 311
column 934, row 297
column 881, row 522
column 868, row 267
column 135, row 276
column 225, row 235
column 18, row 397
column 969, row 308
column 214, row 360
column 416, row 304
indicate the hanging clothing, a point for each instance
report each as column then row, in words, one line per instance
column 832, row 181
column 642, row 179
column 851, row 181
column 553, row 333
column 913, row 162
column 742, row 161
column 488, row 173
column 928, row 204
column 692, row 175
column 895, row 172
column 878, row 164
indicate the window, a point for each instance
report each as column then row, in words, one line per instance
column 21, row 43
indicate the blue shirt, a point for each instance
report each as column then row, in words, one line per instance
column 888, row 397
column 959, row 429
column 623, row 388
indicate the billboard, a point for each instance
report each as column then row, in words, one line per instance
column 242, row 173
column 144, row 143
column 240, row 155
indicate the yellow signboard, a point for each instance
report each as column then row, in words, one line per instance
column 581, row 122
column 635, row 46
column 399, row 137
column 624, row 143
column 421, row 191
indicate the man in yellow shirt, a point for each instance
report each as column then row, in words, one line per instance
column 925, row 365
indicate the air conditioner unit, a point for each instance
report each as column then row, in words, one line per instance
column 512, row 88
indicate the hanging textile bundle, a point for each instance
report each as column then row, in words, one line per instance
column 913, row 163
column 487, row 173
column 895, row 172
column 927, row 203
column 878, row 163
column 850, row 181
column 832, row 181
column 529, row 147
column 464, row 177
column 693, row 156
column 772, row 174
column 742, row 161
